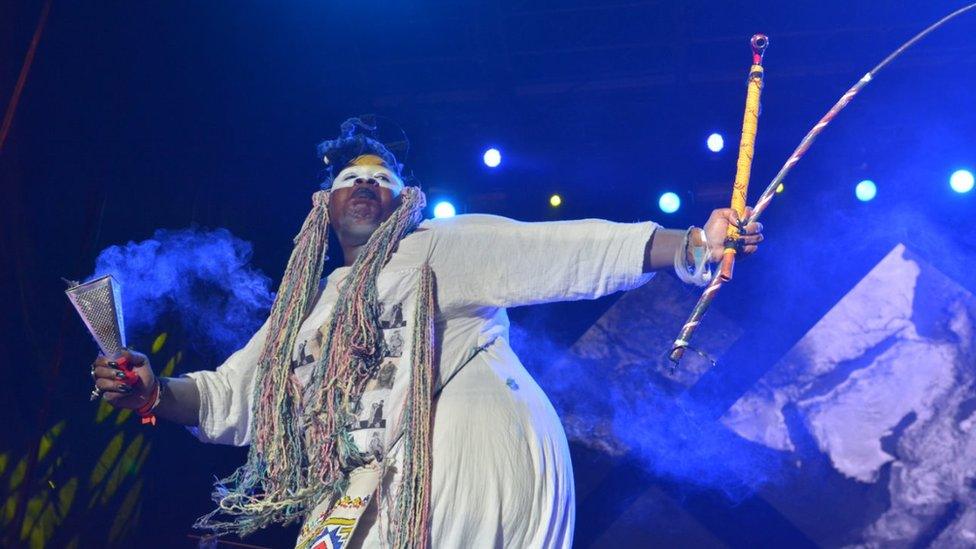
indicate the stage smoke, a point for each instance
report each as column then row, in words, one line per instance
column 631, row 415
column 199, row 278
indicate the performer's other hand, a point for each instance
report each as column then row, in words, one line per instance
column 110, row 378
column 717, row 226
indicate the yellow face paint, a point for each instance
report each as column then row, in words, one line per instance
column 368, row 160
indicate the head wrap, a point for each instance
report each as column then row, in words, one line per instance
column 356, row 139
column 301, row 449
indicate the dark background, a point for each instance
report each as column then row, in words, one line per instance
column 137, row 116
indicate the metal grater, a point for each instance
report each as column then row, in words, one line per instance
column 99, row 303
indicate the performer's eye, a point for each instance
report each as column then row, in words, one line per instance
column 382, row 176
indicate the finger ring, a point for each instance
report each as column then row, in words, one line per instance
column 93, row 373
column 96, row 394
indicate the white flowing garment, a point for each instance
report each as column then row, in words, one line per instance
column 502, row 475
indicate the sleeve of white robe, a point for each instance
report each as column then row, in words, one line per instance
column 485, row 260
column 226, row 395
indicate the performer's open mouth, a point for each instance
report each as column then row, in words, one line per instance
column 364, row 203
column 365, row 193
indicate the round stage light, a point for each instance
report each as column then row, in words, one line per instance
column 961, row 181
column 492, row 158
column 444, row 209
column 669, row 202
column 866, row 190
column 555, row 200
column 715, row 142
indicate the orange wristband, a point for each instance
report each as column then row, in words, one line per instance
column 145, row 412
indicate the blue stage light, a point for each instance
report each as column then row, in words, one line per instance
column 715, row 142
column 866, row 190
column 444, row 209
column 961, row 181
column 492, row 158
column 669, row 202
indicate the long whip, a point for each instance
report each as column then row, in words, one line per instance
column 725, row 273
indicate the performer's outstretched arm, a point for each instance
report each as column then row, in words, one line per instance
column 226, row 395
column 215, row 403
column 490, row 261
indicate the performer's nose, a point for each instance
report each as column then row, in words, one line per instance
column 366, row 181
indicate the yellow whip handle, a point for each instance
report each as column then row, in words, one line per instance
column 747, row 144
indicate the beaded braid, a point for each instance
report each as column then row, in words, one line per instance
column 300, row 443
column 411, row 527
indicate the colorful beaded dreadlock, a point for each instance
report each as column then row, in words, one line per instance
column 301, row 448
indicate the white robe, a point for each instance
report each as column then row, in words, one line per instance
column 502, row 475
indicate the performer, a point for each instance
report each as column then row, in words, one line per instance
column 415, row 423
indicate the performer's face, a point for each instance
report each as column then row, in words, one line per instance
column 362, row 197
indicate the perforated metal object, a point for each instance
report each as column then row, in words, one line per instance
column 99, row 303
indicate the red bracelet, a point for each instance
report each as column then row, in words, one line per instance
column 146, row 410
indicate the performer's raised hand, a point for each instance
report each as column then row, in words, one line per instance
column 110, row 379
column 717, row 226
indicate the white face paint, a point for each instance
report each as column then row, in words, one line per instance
column 383, row 177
